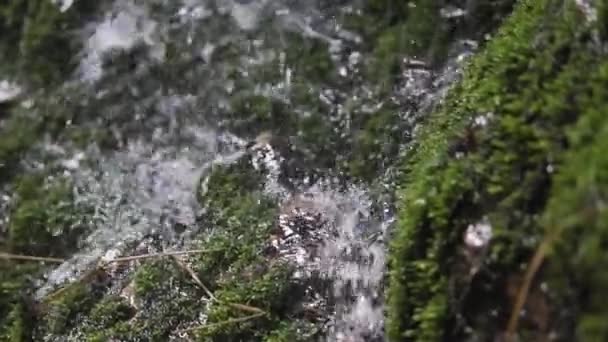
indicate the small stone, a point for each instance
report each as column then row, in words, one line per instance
column 478, row 235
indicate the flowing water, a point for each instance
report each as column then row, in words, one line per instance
column 169, row 129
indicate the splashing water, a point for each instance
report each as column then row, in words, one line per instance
column 354, row 257
column 142, row 191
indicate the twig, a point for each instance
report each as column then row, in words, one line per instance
column 198, row 282
column 155, row 255
column 228, row 321
column 85, row 277
column 522, row 293
column 194, row 277
column 10, row 256
column 247, row 308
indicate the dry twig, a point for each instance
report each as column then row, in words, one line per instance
column 194, row 277
column 522, row 293
column 226, row 322
column 155, row 255
column 10, row 256
column 198, row 282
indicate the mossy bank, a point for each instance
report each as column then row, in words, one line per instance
column 514, row 147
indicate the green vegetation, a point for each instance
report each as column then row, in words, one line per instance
column 539, row 84
column 39, row 42
column 237, row 267
column 42, row 224
column 243, row 278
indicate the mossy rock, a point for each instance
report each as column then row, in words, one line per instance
column 502, row 149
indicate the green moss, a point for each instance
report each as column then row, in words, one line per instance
column 44, row 219
column 236, row 266
column 40, row 38
column 16, row 137
column 42, row 223
column 164, row 296
column 110, row 311
column 375, row 144
column 531, row 83
column 258, row 113
column 269, row 288
column 293, row 331
column 242, row 218
column 309, row 59
column 423, row 35
column 575, row 215
column 17, row 326
column 67, row 309
column 15, row 280
column 149, row 278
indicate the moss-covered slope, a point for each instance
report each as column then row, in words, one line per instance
column 516, row 146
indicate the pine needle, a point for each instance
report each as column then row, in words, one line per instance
column 9, row 256
column 522, row 293
column 226, row 322
column 198, row 282
column 155, row 255
column 194, row 277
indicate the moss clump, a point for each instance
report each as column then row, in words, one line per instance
column 376, row 143
column 167, row 298
column 17, row 325
column 110, row 311
column 41, row 39
column 42, row 223
column 309, row 59
column 67, row 309
column 492, row 151
column 269, row 288
column 260, row 113
column 16, row 137
column 44, row 219
column 423, row 35
column 574, row 214
column 236, row 266
column 241, row 215
column 293, row 331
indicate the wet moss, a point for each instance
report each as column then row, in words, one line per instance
column 16, row 316
column 42, row 223
column 309, row 58
column 376, row 144
column 257, row 113
column 17, row 325
column 492, row 153
column 237, row 266
column 296, row 331
column 166, row 296
column 234, row 266
column 41, row 38
column 16, row 137
column 44, row 219
column 67, row 309
column 575, row 217
column 110, row 311
column 423, row 35
column 271, row 289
